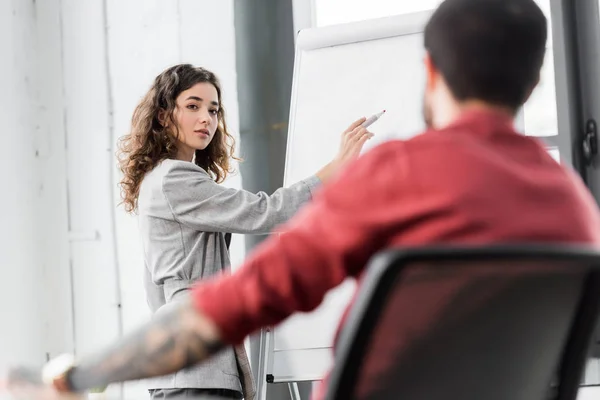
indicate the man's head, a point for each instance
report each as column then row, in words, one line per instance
column 482, row 52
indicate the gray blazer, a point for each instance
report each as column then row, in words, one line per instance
column 183, row 218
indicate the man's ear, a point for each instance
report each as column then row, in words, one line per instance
column 431, row 72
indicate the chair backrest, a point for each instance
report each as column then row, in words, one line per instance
column 493, row 323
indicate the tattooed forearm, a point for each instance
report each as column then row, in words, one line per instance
column 174, row 340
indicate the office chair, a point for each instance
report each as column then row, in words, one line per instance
column 510, row 322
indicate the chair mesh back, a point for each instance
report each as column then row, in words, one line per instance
column 469, row 331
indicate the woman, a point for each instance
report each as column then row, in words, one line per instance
column 177, row 153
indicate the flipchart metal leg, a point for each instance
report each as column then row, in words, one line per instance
column 294, row 392
column 264, row 359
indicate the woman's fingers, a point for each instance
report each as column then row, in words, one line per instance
column 355, row 124
column 355, row 143
column 356, row 133
column 360, row 142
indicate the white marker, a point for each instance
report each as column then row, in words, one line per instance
column 372, row 119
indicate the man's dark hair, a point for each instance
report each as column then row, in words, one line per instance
column 488, row 50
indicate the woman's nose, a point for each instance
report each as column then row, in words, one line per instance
column 204, row 117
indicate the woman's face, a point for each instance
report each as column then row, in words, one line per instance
column 197, row 120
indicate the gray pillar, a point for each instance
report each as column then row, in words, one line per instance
column 265, row 58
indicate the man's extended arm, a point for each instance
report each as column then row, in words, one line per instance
column 175, row 339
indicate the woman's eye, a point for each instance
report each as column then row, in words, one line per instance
column 192, row 107
column 214, row 112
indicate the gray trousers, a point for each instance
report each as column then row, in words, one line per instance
column 194, row 394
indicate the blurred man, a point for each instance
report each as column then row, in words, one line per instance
column 469, row 179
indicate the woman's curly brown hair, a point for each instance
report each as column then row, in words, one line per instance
column 149, row 142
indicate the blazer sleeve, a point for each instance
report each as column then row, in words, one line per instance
column 200, row 203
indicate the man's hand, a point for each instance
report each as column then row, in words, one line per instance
column 26, row 383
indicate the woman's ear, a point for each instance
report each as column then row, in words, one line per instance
column 162, row 118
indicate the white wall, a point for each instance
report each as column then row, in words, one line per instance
column 70, row 258
column 52, row 204
column 19, row 240
column 88, row 162
column 35, row 302
column 589, row 393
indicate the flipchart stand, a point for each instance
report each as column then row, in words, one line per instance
column 265, row 367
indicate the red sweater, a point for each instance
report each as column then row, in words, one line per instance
column 476, row 181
